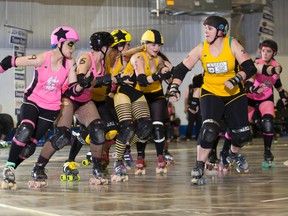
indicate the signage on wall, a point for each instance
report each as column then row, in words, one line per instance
column 18, row 37
column 19, row 79
column 266, row 28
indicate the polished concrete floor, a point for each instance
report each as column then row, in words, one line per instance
column 260, row 192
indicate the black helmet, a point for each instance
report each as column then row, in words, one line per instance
column 269, row 43
column 101, row 39
column 220, row 23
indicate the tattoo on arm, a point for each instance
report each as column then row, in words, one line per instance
column 187, row 57
column 243, row 51
column 82, row 61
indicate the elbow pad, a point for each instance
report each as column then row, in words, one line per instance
column 180, row 71
column 142, row 80
column 72, row 90
column 278, row 84
column 249, row 68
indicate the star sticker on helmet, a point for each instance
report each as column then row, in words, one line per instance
column 61, row 33
column 120, row 35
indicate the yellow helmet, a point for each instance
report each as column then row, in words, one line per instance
column 120, row 37
column 152, row 36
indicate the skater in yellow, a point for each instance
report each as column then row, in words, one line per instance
column 222, row 92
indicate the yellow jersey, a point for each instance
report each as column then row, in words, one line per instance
column 219, row 69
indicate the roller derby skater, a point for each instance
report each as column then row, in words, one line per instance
column 224, row 89
column 42, row 98
column 39, row 177
column 120, row 172
column 268, row 159
column 99, row 175
column 197, row 174
column 261, row 96
column 70, row 172
column 8, row 181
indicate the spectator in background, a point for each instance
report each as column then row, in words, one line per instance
column 190, row 101
column 6, row 126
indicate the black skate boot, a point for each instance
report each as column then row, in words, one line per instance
column 268, row 160
column 224, row 165
column 168, row 158
column 119, row 172
column 39, row 177
column 197, row 174
column 239, row 159
column 98, row 173
column 70, row 172
column 8, row 178
column 128, row 160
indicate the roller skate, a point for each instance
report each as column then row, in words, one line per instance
column 39, row 177
column 213, row 161
column 3, row 144
column 70, row 172
column 8, row 181
column 120, row 173
column 161, row 168
column 224, row 166
column 99, row 176
column 128, row 160
column 168, row 158
column 197, row 174
column 268, row 160
column 140, row 167
column 240, row 160
column 88, row 159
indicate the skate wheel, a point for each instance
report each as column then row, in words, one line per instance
column 77, row 177
column 70, row 178
column 63, row 177
column 85, row 162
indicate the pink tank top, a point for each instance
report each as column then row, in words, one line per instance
column 86, row 95
column 266, row 82
column 46, row 85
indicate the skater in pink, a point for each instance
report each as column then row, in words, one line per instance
column 260, row 96
column 42, row 98
column 90, row 72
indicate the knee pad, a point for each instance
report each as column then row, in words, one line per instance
column 61, row 138
column 24, row 132
column 97, row 131
column 209, row 133
column 143, row 128
column 126, row 131
column 267, row 124
column 28, row 151
column 111, row 130
column 240, row 136
column 158, row 132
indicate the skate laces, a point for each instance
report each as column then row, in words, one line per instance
column 8, row 171
column 241, row 161
column 140, row 164
column 72, row 165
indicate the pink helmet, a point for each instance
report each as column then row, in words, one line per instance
column 63, row 33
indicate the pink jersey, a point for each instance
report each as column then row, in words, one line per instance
column 86, row 95
column 266, row 82
column 46, row 85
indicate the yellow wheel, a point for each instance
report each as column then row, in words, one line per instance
column 63, row 177
column 85, row 162
column 70, row 178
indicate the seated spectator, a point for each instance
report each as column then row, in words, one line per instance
column 6, row 126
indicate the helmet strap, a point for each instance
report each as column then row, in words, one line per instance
column 64, row 57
